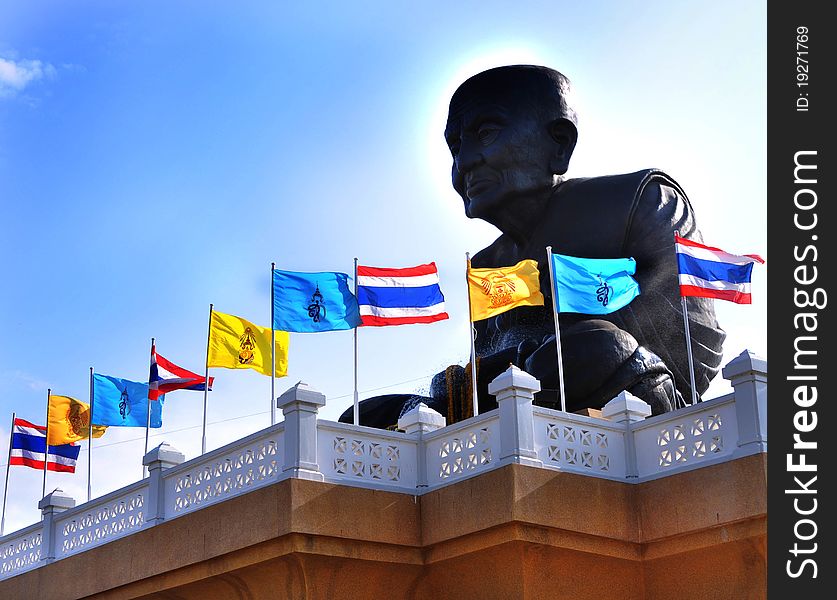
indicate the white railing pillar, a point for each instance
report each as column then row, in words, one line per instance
column 515, row 390
column 627, row 409
column 421, row 420
column 747, row 373
column 164, row 456
column 52, row 504
column 300, row 405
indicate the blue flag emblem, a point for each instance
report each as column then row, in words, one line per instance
column 317, row 308
column 313, row 302
column 593, row 286
column 603, row 292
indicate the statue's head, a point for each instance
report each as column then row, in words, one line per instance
column 511, row 133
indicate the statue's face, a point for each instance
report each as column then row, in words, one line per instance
column 501, row 152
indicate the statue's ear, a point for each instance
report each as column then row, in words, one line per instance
column 565, row 135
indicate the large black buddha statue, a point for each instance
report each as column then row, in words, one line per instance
column 511, row 133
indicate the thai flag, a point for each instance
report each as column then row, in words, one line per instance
column 27, row 449
column 166, row 377
column 710, row 272
column 399, row 296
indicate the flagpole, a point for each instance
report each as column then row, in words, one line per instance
column 6, row 485
column 46, row 444
column 557, row 328
column 206, row 380
column 148, row 411
column 473, row 332
column 90, row 438
column 688, row 333
column 272, row 352
column 689, row 349
column 356, row 403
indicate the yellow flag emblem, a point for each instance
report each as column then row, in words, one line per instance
column 235, row 343
column 494, row 291
column 69, row 421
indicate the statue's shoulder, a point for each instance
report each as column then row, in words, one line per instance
column 593, row 216
column 491, row 256
column 622, row 189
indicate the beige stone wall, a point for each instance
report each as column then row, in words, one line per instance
column 516, row 532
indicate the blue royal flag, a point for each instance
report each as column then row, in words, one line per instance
column 313, row 302
column 122, row 403
column 593, row 286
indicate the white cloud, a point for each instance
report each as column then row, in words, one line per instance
column 22, row 378
column 16, row 75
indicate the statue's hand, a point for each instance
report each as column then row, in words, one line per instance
column 540, row 360
column 600, row 360
column 526, row 348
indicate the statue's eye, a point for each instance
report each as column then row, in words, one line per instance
column 488, row 132
column 454, row 145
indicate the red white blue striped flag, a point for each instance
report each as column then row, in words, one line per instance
column 165, row 376
column 709, row 272
column 399, row 296
column 29, row 443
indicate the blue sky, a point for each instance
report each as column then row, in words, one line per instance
column 157, row 156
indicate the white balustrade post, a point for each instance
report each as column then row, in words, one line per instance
column 52, row 504
column 627, row 409
column 164, row 456
column 300, row 405
column 747, row 373
column 515, row 391
column 421, row 420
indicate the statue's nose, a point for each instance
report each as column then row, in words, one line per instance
column 469, row 157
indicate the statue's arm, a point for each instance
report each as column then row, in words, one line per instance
column 656, row 316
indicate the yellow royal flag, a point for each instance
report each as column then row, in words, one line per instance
column 69, row 421
column 238, row 344
column 494, row 291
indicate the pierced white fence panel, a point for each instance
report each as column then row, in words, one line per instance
column 240, row 467
column 463, row 449
column 698, row 434
column 365, row 456
column 104, row 519
column 20, row 551
column 579, row 444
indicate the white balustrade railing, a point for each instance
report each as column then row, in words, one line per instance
column 706, row 432
column 580, row 444
column 20, row 551
column 244, row 465
column 463, row 449
column 624, row 446
column 108, row 518
column 366, row 456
